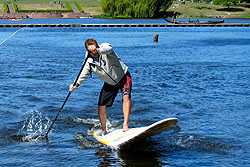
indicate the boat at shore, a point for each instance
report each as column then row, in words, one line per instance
column 15, row 19
column 195, row 22
column 8, row 17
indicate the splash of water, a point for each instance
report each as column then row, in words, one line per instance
column 95, row 123
column 34, row 127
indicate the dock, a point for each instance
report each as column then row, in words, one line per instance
column 127, row 25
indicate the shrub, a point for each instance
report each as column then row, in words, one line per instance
column 15, row 7
column 79, row 7
column 6, row 8
column 135, row 8
column 68, row 7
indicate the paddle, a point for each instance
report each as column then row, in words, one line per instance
column 66, row 98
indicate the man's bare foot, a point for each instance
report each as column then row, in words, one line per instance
column 125, row 128
column 101, row 133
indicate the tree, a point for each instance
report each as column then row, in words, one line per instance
column 135, row 8
column 227, row 3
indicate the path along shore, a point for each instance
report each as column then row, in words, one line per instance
column 47, row 15
column 35, row 15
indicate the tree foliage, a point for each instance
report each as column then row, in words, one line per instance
column 135, row 8
column 225, row 2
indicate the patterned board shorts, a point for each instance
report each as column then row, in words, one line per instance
column 109, row 92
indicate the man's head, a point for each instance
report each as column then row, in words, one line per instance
column 91, row 45
column 89, row 42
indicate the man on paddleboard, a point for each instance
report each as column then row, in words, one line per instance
column 104, row 62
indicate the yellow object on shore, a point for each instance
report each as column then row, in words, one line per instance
column 15, row 19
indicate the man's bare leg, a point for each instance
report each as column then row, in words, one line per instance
column 127, row 105
column 102, row 116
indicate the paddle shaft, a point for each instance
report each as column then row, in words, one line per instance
column 46, row 135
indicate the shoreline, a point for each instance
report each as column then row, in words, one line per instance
column 86, row 15
column 126, row 25
column 184, row 10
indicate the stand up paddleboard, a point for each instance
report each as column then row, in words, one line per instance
column 117, row 137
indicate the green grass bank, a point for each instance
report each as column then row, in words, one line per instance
column 187, row 10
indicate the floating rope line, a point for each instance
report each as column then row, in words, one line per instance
column 10, row 37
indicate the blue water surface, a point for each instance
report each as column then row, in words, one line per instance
column 199, row 75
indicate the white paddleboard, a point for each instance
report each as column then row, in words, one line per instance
column 117, row 137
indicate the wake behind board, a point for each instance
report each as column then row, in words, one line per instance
column 117, row 137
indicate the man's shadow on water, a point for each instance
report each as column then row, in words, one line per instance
column 149, row 152
column 143, row 152
column 139, row 153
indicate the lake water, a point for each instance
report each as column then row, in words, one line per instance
column 199, row 75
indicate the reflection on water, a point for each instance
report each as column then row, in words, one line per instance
column 84, row 142
column 127, row 157
column 149, row 152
